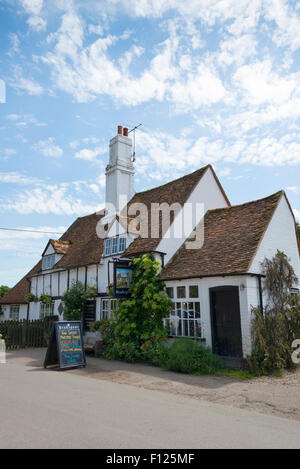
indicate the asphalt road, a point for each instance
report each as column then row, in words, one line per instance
column 57, row 409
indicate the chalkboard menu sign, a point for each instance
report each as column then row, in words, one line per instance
column 66, row 346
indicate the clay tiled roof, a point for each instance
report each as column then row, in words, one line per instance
column 177, row 191
column 231, row 238
column 85, row 247
column 19, row 291
column 81, row 246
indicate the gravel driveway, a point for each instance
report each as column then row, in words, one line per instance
column 268, row 395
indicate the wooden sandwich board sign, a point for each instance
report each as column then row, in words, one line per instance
column 66, row 347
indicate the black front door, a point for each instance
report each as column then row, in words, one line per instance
column 89, row 314
column 226, row 321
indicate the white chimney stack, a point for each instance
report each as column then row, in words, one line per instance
column 119, row 173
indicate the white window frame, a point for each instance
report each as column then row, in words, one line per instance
column 46, row 310
column 108, row 305
column 14, row 312
column 113, row 246
column 185, row 317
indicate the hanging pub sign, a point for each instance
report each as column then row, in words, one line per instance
column 122, row 278
column 66, row 347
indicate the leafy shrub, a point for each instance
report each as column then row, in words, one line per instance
column 274, row 329
column 95, row 326
column 144, row 311
column 75, row 299
column 153, row 349
column 136, row 330
column 127, row 351
column 186, row 356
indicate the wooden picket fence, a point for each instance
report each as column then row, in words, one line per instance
column 22, row 334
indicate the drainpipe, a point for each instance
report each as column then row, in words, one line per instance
column 260, row 294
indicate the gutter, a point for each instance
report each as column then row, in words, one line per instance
column 235, row 274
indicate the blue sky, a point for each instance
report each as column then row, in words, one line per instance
column 212, row 81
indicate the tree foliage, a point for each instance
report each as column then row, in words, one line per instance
column 75, row 299
column 275, row 329
column 3, row 290
column 136, row 329
column 143, row 313
column 298, row 230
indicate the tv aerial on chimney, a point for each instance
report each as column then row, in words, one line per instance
column 133, row 130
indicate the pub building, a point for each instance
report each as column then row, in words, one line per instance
column 212, row 283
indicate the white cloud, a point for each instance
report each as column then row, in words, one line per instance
column 294, row 189
column 201, row 88
column 90, row 155
column 14, row 177
column 159, row 152
column 260, row 84
column 287, row 20
column 37, row 23
column 23, row 84
column 34, row 9
column 53, row 199
column 48, row 148
column 225, row 172
column 32, row 6
column 88, row 72
column 23, row 120
column 236, row 50
column 15, row 47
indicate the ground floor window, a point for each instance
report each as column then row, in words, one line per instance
column 108, row 305
column 14, row 312
column 46, row 310
column 185, row 319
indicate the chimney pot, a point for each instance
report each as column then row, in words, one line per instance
column 125, row 132
column 120, row 129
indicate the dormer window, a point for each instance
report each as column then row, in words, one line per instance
column 114, row 246
column 48, row 262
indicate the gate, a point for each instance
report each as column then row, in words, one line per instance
column 89, row 315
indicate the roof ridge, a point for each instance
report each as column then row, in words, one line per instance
column 174, row 180
column 278, row 193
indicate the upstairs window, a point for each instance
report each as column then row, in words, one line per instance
column 114, row 246
column 48, row 262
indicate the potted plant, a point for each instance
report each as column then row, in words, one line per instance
column 44, row 298
column 30, row 297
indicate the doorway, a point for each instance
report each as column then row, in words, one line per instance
column 226, row 321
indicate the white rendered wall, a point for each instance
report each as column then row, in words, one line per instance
column 204, row 285
column 206, row 192
column 92, row 276
column 281, row 235
column 6, row 310
column 49, row 250
column 63, row 282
